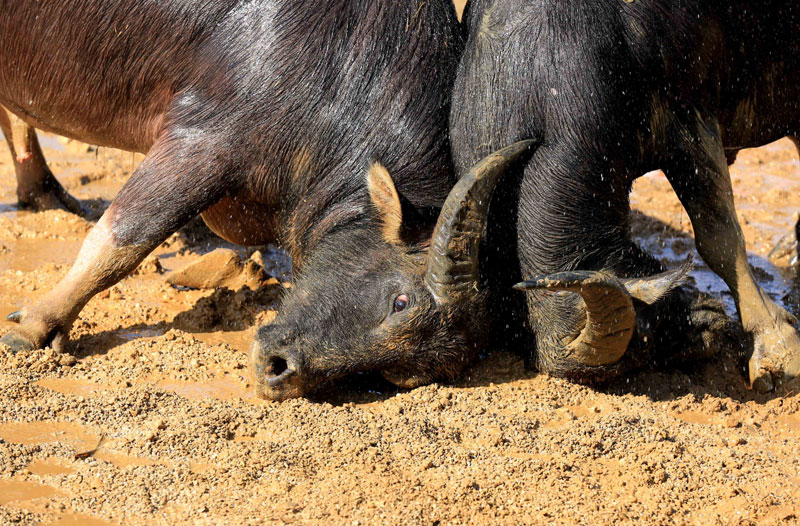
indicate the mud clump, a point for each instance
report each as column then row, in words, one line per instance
column 221, row 268
column 229, row 310
column 243, row 292
column 151, row 265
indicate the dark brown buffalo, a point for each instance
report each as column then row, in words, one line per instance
column 321, row 127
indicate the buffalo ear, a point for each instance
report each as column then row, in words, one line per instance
column 386, row 202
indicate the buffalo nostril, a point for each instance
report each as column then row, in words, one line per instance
column 278, row 370
column 276, row 366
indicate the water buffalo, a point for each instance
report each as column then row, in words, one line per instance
column 322, row 127
column 613, row 90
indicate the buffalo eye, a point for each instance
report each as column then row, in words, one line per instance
column 400, row 303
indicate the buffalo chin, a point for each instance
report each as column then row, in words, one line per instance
column 280, row 393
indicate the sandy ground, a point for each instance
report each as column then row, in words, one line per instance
column 157, row 376
column 151, row 419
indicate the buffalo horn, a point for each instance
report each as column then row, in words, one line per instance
column 610, row 314
column 453, row 257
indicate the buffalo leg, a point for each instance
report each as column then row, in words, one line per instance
column 168, row 189
column 37, row 187
column 699, row 174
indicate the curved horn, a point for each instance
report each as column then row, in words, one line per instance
column 610, row 314
column 453, row 256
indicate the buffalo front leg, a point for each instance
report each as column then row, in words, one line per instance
column 37, row 187
column 699, row 174
column 165, row 192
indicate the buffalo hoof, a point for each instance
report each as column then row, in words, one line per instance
column 775, row 358
column 54, row 201
column 17, row 343
column 52, row 196
column 709, row 331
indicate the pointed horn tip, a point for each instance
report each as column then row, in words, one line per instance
column 512, row 151
column 520, row 145
column 15, row 317
column 688, row 265
column 463, row 217
column 526, row 285
column 682, row 272
column 508, row 154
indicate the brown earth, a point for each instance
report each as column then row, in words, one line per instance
column 151, row 418
column 159, row 380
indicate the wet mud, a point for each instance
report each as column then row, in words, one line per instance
column 151, row 418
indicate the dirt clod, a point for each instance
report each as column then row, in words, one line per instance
column 220, row 268
column 67, row 360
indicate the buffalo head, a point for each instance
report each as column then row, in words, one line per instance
column 412, row 309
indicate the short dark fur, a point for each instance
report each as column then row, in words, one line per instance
column 614, row 89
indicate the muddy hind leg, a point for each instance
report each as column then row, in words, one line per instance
column 173, row 184
column 699, row 174
column 37, row 187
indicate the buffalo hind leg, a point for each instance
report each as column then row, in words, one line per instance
column 173, row 184
column 699, row 175
column 37, row 187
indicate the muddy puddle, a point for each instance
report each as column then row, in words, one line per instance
column 152, row 420
column 26, row 255
column 218, row 389
column 49, row 467
column 12, row 491
column 767, row 192
column 71, row 386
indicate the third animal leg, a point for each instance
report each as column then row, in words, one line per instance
column 172, row 185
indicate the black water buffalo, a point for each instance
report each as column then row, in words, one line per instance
column 320, row 126
column 612, row 90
